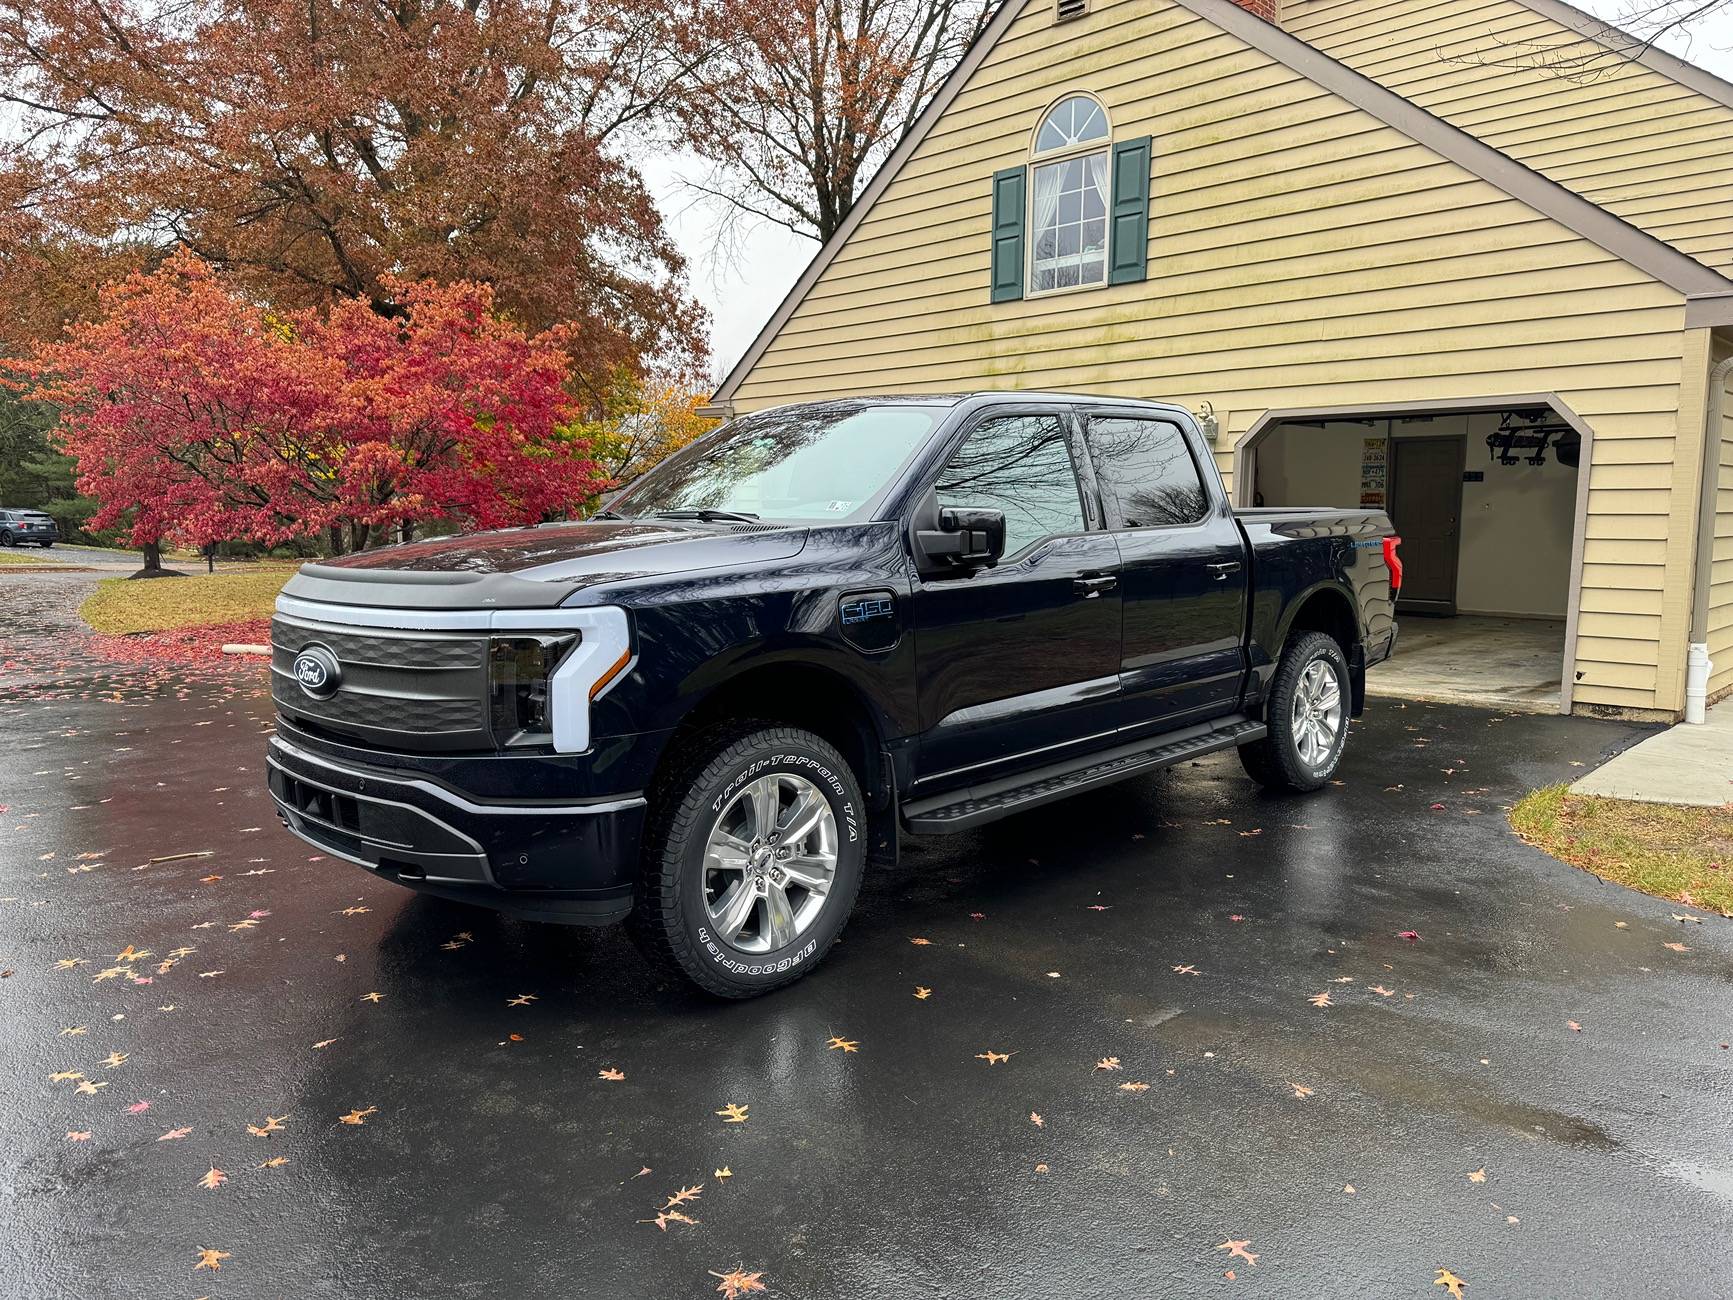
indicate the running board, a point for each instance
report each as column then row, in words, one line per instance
column 961, row 810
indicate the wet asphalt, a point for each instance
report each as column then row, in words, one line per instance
column 1530, row 1089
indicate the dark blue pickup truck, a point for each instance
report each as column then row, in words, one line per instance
column 820, row 628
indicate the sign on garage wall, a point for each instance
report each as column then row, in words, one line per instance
column 1373, row 458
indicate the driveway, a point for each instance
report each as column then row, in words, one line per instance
column 1368, row 1034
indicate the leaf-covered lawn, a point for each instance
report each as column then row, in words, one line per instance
column 1685, row 854
column 122, row 605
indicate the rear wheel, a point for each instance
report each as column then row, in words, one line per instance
column 1307, row 715
column 752, row 858
column 6, row 539
column 46, row 545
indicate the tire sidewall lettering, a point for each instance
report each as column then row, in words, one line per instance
column 825, row 777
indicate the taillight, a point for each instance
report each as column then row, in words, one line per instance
column 1393, row 562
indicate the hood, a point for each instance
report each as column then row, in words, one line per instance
column 538, row 567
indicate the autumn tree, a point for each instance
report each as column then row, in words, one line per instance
column 644, row 419
column 196, row 415
column 317, row 148
column 803, row 100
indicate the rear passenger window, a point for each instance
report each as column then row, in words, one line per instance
column 1018, row 464
column 1146, row 473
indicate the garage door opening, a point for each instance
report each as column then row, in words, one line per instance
column 1488, row 501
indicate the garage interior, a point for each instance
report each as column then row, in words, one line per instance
column 1486, row 503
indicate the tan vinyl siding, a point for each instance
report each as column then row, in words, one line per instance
column 1721, row 565
column 1301, row 254
column 1623, row 135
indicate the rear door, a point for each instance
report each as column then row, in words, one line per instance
column 1018, row 664
column 1183, row 572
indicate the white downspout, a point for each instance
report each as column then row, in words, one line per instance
column 1697, row 663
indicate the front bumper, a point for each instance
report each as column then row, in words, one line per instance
column 573, row 861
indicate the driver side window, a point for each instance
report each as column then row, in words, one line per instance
column 1020, row 465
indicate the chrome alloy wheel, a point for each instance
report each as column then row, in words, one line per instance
column 769, row 863
column 1317, row 715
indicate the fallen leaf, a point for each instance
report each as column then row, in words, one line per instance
column 1348, row 1189
column 1320, row 1000
column 842, row 1044
column 173, row 1134
column 214, row 1179
column 371, row 997
column 138, row 1108
column 1573, row 1026
column 1238, row 1248
column 1478, row 1175
column 992, row 1058
column 1300, row 1089
column 1133, row 1085
column 211, row 1259
column 1107, row 1063
column 83, row 1136
column 1676, row 947
column 1410, row 935
column 611, row 1074
column 1380, row 990
column 1036, row 1120
column 736, row 1284
column 272, row 1124
column 1448, row 1280
column 665, row 1217
column 113, row 1059
column 358, row 1117
column 684, row 1195
column 724, row 1173
column 521, row 1000
column 1186, row 970
column 922, row 993
column 733, row 1113
column 922, row 943
column 275, row 1162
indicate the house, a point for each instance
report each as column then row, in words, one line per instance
column 1461, row 258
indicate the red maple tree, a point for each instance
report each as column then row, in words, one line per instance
column 196, row 415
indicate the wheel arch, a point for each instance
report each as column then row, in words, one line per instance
column 1328, row 608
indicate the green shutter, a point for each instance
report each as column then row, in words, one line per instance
column 1130, row 208
column 1007, row 251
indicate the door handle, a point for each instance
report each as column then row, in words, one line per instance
column 1093, row 585
column 1224, row 568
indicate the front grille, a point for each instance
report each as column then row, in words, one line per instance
column 396, row 690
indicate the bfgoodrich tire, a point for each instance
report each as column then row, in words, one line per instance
column 752, row 858
column 1307, row 715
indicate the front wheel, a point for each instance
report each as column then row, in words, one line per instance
column 1307, row 715
column 752, row 858
column 5, row 539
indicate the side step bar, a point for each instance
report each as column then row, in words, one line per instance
column 965, row 809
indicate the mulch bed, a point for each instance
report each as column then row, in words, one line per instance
column 184, row 645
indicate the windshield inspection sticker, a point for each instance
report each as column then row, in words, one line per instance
column 840, row 507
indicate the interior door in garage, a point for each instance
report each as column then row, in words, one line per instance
column 1426, row 507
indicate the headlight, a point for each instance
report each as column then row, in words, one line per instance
column 519, row 688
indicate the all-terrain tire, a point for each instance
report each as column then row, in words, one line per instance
column 670, row 921
column 1276, row 762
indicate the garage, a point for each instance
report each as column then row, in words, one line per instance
column 1488, row 498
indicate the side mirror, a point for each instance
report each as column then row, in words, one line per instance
column 966, row 538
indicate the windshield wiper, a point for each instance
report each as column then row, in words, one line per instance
column 607, row 514
column 708, row 516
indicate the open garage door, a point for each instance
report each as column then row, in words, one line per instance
column 1488, row 503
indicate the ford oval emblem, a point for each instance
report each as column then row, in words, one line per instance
column 318, row 672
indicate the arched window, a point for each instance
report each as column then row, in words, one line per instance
column 1068, row 196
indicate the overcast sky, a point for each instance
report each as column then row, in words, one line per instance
column 742, row 289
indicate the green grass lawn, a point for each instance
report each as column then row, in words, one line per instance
column 122, row 605
column 34, row 555
column 1685, row 854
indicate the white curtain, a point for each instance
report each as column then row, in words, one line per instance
column 1045, row 210
column 1095, row 263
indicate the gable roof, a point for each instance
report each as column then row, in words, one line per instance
column 1708, row 294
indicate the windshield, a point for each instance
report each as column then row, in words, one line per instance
column 821, row 462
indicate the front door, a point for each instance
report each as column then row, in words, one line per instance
column 1426, row 509
column 1018, row 664
column 1183, row 572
